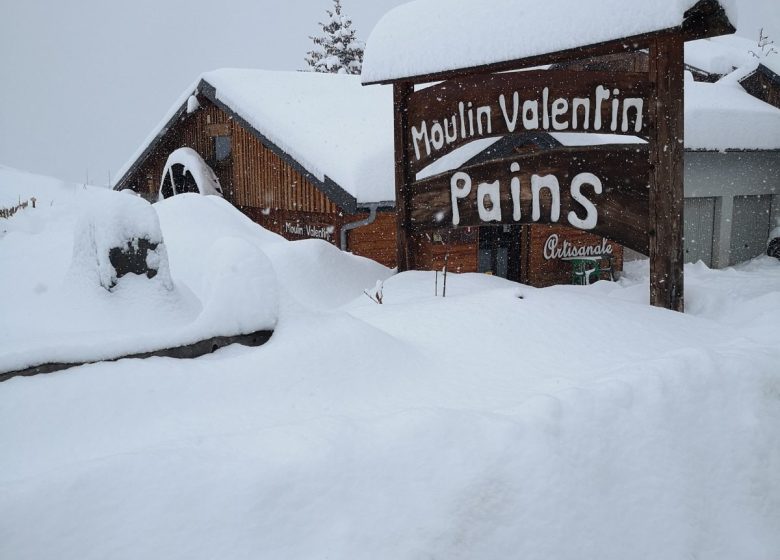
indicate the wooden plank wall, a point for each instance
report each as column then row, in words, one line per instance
column 376, row 241
column 261, row 179
column 461, row 251
column 189, row 132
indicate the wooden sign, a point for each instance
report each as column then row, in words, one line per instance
column 601, row 190
column 633, row 197
column 448, row 115
column 315, row 231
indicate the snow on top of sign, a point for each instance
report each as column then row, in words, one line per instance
column 724, row 116
column 428, row 36
column 593, row 139
column 329, row 123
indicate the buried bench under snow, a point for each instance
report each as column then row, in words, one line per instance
column 117, row 298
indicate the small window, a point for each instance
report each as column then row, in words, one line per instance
column 221, row 147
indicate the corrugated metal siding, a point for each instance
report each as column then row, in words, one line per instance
column 699, row 229
column 750, row 226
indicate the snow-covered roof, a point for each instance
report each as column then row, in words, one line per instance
column 433, row 36
column 328, row 123
column 731, row 55
column 724, row 116
column 720, row 55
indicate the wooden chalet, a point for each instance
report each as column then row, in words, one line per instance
column 304, row 155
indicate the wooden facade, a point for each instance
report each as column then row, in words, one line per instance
column 264, row 183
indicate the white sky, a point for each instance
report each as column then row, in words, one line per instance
column 83, row 82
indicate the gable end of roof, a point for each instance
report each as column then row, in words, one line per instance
column 329, row 188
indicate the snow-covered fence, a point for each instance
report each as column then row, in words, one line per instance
column 8, row 212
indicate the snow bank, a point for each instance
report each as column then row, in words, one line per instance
column 313, row 272
column 54, row 259
column 501, row 421
column 428, row 36
column 573, row 423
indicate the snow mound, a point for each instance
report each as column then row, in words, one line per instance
column 109, row 222
column 320, row 276
column 313, row 272
column 56, row 260
column 239, row 288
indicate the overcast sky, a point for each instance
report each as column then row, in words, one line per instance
column 83, row 82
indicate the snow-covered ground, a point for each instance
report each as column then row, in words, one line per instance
column 502, row 421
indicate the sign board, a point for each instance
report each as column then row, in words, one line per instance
column 602, row 190
column 448, row 115
column 315, row 231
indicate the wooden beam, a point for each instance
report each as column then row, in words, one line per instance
column 403, row 175
column 666, row 176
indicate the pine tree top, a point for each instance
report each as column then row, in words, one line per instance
column 337, row 50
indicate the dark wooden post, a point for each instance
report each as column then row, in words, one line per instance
column 403, row 175
column 666, row 175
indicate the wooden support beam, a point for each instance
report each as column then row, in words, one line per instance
column 403, row 174
column 666, row 175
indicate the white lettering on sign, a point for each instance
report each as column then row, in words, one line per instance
column 548, row 113
column 554, row 249
column 489, row 197
column 306, row 230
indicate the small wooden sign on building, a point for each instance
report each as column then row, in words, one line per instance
column 631, row 194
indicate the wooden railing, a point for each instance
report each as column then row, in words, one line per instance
column 8, row 212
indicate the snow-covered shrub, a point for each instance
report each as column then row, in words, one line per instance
column 117, row 235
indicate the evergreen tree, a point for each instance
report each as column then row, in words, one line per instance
column 337, row 50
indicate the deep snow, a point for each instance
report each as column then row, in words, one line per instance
column 500, row 422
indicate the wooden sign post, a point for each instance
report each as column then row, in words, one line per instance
column 666, row 178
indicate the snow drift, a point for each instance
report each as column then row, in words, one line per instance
column 501, row 421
